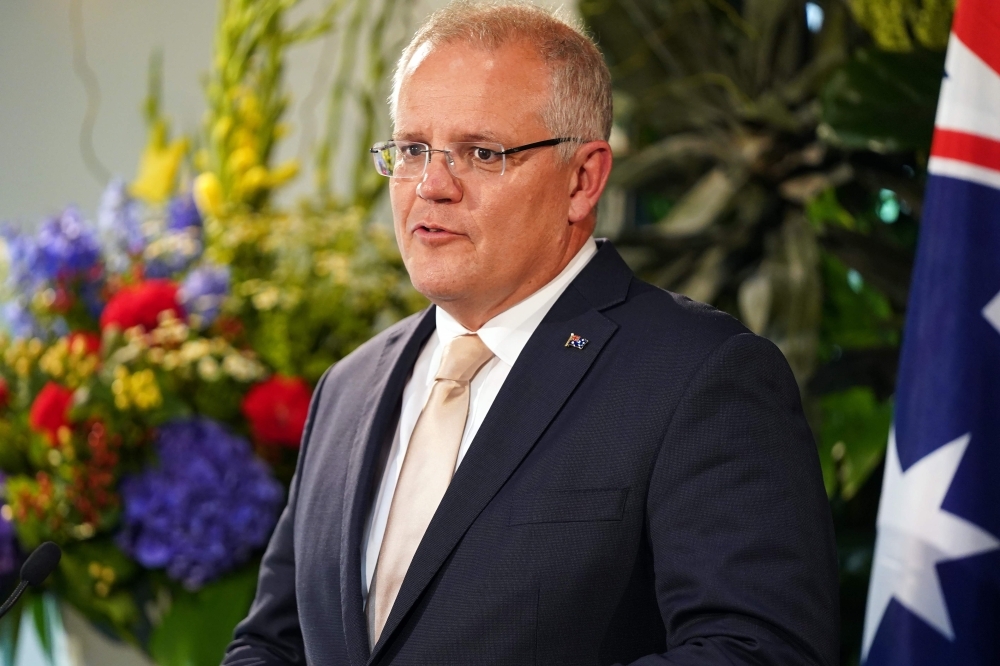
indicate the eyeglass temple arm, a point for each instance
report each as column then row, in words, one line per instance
column 539, row 144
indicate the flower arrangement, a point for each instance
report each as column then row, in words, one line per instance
column 157, row 360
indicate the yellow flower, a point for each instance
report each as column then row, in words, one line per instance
column 221, row 129
column 158, row 166
column 254, row 179
column 242, row 159
column 208, row 194
column 284, row 172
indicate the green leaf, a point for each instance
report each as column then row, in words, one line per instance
column 199, row 625
column 855, row 316
column 10, row 627
column 826, row 209
column 883, row 101
column 43, row 611
column 853, row 438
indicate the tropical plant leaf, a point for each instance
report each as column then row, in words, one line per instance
column 883, row 101
column 853, row 438
column 45, row 615
column 10, row 628
column 199, row 625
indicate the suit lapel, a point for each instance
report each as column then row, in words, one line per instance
column 543, row 378
column 396, row 360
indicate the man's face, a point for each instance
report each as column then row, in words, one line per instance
column 484, row 243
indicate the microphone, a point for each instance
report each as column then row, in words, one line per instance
column 34, row 571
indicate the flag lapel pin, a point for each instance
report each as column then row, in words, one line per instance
column 576, row 342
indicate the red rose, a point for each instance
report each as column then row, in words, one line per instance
column 4, row 393
column 89, row 343
column 277, row 410
column 50, row 410
column 141, row 305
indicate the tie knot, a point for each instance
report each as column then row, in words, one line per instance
column 462, row 358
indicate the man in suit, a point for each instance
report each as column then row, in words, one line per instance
column 556, row 463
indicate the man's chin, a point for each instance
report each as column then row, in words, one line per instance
column 440, row 292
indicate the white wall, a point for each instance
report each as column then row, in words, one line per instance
column 43, row 103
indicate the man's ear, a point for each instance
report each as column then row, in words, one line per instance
column 592, row 165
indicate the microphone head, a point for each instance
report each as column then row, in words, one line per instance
column 40, row 564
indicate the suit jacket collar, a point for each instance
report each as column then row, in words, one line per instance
column 544, row 376
column 375, row 424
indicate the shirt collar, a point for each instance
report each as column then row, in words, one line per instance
column 508, row 332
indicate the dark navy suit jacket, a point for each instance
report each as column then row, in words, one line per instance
column 653, row 498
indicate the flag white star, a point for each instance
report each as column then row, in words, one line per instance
column 914, row 534
column 992, row 312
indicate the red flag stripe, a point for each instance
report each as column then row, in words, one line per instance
column 977, row 24
column 966, row 147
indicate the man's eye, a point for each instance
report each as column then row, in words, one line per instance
column 412, row 151
column 484, row 154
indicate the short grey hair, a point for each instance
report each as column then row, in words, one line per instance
column 580, row 105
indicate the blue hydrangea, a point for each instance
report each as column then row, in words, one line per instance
column 203, row 291
column 119, row 219
column 207, row 506
column 183, row 213
column 65, row 245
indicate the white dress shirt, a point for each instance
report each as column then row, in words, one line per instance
column 505, row 335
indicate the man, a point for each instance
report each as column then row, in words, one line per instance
column 556, row 463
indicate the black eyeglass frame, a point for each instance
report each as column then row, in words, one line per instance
column 538, row 144
column 374, row 150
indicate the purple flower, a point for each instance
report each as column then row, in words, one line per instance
column 22, row 255
column 17, row 319
column 203, row 511
column 9, row 553
column 183, row 213
column 119, row 218
column 203, row 291
column 66, row 244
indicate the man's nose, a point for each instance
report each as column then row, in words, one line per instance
column 438, row 183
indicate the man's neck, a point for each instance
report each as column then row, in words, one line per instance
column 474, row 314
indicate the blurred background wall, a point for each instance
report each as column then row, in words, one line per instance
column 73, row 74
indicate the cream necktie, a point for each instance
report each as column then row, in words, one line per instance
column 427, row 469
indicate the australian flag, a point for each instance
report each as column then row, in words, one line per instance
column 934, row 596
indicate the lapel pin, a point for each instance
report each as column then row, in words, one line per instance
column 576, row 342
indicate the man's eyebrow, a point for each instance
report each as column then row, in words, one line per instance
column 407, row 136
column 484, row 135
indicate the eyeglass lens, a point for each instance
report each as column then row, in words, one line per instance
column 409, row 159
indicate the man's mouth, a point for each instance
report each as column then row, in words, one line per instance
column 432, row 230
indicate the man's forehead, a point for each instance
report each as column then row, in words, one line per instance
column 452, row 84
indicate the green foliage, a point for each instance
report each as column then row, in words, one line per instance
column 855, row 428
column 310, row 288
column 855, row 316
column 10, row 628
column 97, row 578
column 900, row 25
column 198, row 626
column 883, row 101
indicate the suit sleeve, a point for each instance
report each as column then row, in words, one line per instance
column 740, row 527
column 270, row 634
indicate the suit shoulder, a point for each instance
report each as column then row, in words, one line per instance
column 366, row 356
column 656, row 310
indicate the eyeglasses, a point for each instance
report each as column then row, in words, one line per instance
column 408, row 160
